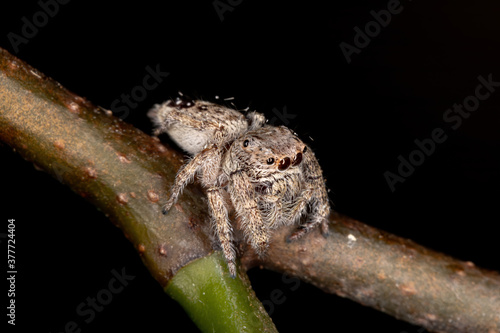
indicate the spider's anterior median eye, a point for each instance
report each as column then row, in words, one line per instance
column 284, row 163
column 297, row 159
column 270, row 160
column 245, row 143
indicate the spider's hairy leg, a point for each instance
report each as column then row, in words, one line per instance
column 222, row 226
column 300, row 205
column 243, row 197
column 320, row 209
column 316, row 196
column 186, row 174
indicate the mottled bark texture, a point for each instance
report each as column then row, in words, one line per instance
column 125, row 173
column 391, row 274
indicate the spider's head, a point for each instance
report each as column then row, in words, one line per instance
column 270, row 149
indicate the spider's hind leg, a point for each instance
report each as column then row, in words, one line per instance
column 318, row 218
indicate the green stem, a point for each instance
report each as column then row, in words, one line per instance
column 215, row 301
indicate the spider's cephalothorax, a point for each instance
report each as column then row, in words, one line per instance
column 271, row 177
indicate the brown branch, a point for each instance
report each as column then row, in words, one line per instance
column 391, row 274
column 125, row 172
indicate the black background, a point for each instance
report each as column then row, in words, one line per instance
column 361, row 116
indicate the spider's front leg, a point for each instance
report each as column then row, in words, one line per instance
column 222, row 226
column 315, row 196
column 320, row 209
column 242, row 195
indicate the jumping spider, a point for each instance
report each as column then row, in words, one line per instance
column 270, row 176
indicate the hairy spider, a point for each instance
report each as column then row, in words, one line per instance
column 270, row 176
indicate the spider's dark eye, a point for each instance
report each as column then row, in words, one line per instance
column 245, row 143
column 183, row 102
column 284, row 163
column 297, row 159
column 270, row 160
column 304, row 150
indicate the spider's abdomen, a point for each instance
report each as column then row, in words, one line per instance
column 193, row 124
column 189, row 139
